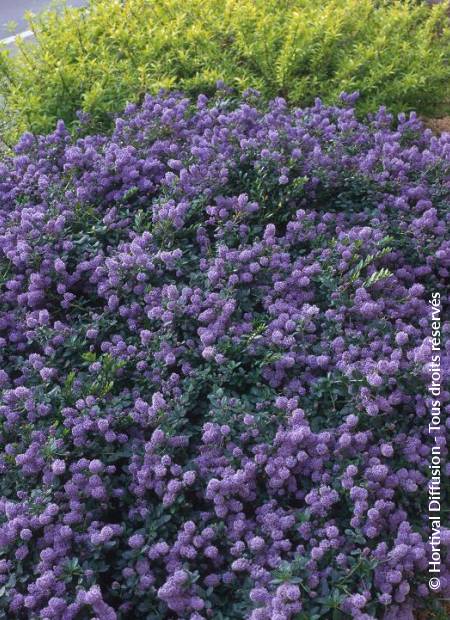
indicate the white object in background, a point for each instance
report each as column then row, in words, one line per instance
column 21, row 35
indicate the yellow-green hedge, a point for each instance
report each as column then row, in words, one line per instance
column 395, row 53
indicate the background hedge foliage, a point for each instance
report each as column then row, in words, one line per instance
column 394, row 53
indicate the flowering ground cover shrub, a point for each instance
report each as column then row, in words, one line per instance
column 396, row 53
column 214, row 347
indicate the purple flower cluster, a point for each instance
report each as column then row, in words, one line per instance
column 214, row 343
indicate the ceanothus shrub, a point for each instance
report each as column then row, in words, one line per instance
column 214, row 333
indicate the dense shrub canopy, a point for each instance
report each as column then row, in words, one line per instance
column 214, row 331
column 396, row 53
